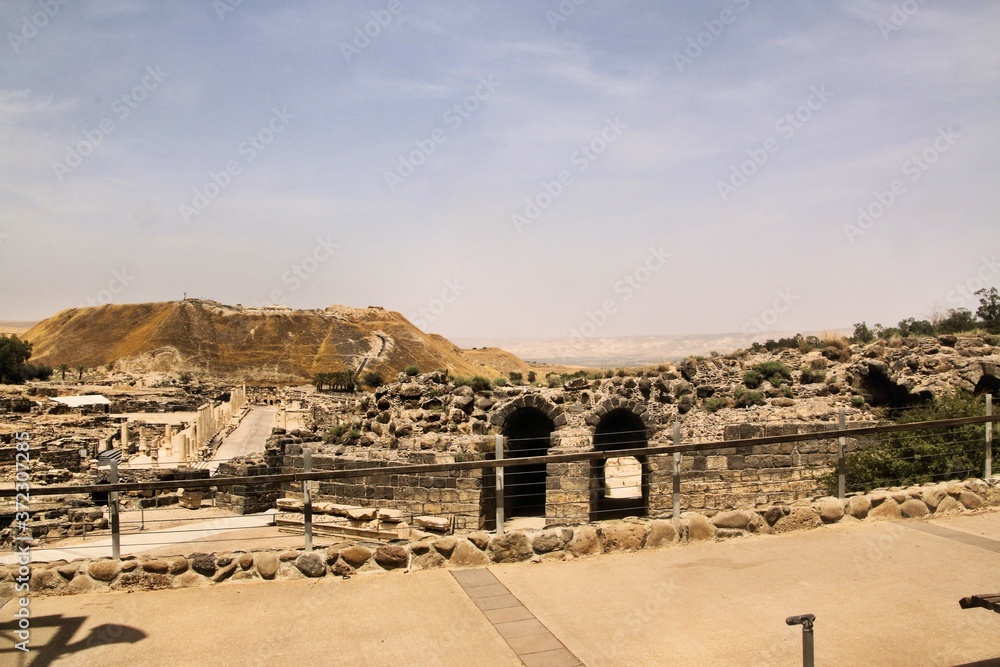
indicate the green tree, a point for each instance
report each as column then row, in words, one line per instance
column 516, row 377
column 532, row 377
column 913, row 457
column 989, row 309
column 80, row 371
column 862, row 334
column 373, row 379
column 62, row 370
column 957, row 320
column 14, row 354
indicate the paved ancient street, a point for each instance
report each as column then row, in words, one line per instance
column 248, row 438
column 883, row 593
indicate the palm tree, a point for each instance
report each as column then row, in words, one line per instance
column 62, row 369
column 80, row 370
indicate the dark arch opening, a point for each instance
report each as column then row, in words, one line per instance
column 886, row 393
column 619, row 486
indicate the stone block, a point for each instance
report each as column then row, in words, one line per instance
column 699, row 528
column 661, row 533
column 886, row 510
column 356, row 556
column 466, row 554
column 392, row 556
column 510, row 547
column 798, row 518
column 731, row 519
column 585, row 542
column 622, row 535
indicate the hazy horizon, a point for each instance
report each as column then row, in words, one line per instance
column 530, row 170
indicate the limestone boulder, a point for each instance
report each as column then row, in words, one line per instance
column 699, row 528
column 429, row 560
column 585, row 542
column 156, row 566
column 267, row 564
column 932, row 496
column 948, row 505
column 971, row 500
column 480, row 539
column 887, row 510
column 177, row 565
column 392, row 556
column 731, row 519
column 510, row 548
column 798, row 518
column 356, row 556
column 661, row 533
column 622, row 535
column 466, row 554
column 859, row 506
column 913, row 508
column 446, row 545
column 103, row 570
column 547, row 541
column 831, row 510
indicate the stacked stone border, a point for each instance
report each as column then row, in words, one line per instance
column 480, row 549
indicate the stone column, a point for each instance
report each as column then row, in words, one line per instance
column 567, row 485
column 125, row 436
column 143, row 440
column 168, row 439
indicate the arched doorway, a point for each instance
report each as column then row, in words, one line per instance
column 527, row 432
column 619, row 486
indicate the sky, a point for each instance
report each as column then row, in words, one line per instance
column 505, row 170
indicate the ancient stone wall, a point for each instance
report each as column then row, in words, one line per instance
column 479, row 549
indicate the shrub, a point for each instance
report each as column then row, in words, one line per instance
column 373, row 379
column 913, row 457
column 752, row 379
column 774, row 371
column 354, row 434
column 516, row 377
column 812, row 376
column 532, row 377
column 412, row 370
column 480, row 383
column 184, row 378
column 334, row 432
column 500, row 382
column 862, row 334
column 857, row 401
column 715, row 404
column 786, row 391
column 744, row 398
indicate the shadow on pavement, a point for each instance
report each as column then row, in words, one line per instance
column 58, row 630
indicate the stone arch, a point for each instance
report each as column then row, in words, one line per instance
column 503, row 412
column 608, row 405
column 627, row 493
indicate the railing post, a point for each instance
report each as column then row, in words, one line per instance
column 499, row 485
column 116, row 536
column 307, row 457
column 988, row 472
column 677, row 473
column 841, row 461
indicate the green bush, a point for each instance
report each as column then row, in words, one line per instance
column 412, row 370
column 373, row 379
column 501, row 382
column 752, row 379
column 532, row 377
column 715, row 404
column 516, row 377
column 744, row 398
column 857, row 401
column 480, row 383
column 774, row 371
column 812, row 376
column 914, row 457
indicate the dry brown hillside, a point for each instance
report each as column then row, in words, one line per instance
column 263, row 344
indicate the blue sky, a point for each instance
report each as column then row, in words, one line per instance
column 516, row 169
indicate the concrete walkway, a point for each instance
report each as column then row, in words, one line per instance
column 883, row 594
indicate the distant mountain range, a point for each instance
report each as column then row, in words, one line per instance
column 628, row 350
